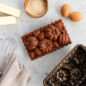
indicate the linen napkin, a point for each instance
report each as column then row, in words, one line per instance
column 13, row 73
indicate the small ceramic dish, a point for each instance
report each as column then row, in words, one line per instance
column 36, row 8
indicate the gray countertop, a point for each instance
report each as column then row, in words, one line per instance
column 40, row 68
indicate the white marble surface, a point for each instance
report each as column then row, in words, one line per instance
column 25, row 24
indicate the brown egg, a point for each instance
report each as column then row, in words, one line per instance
column 65, row 10
column 76, row 16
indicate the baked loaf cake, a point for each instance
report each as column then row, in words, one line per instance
column 71, row 71
column 46, row 39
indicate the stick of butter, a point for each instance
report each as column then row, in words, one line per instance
column 10, row 11
column 7, row 20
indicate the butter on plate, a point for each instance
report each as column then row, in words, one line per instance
column 7, row 20
column 9, row 10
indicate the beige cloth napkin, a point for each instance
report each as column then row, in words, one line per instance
column 14, row 74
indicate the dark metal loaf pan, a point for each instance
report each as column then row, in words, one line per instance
column 70, row 71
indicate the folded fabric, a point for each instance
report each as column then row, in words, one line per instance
column 14, row 74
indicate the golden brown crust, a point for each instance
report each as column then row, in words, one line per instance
column 46, row 39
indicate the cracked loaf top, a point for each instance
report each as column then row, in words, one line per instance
column 46, row 39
